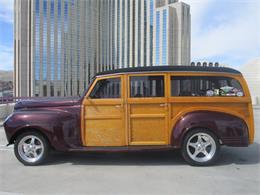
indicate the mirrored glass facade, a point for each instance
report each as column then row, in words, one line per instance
column 63, row 43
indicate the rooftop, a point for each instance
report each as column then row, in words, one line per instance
column 171, row 69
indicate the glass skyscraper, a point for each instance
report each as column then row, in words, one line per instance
column 61, row 44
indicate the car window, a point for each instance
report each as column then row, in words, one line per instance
column 205, row 86
column 146, row 86
column 107, row 88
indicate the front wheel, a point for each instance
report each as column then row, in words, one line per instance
column 31, row 148
column 200, row 147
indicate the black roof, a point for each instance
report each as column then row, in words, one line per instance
column 171, row 69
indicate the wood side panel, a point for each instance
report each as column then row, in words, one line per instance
column 139, row 114
column 148, row 117
column 104, row 120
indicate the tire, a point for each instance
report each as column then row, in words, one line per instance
column 200, row 147
column 31, row 148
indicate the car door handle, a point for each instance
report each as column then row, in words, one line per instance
column 163, row 105
column 118, row 106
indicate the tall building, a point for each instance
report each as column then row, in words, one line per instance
column 61, row 44
column 172, row 33
column 251, row 72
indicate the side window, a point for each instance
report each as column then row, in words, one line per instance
column 106, row 88
column 205, row 86
column 146, row 86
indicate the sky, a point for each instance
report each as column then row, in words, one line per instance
column 224, row 31
column 6, row 34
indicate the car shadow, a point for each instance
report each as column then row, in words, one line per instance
column 228, row 155
column 117, row 158
column 240, row 155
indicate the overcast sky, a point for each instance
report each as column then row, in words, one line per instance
column 227, row 31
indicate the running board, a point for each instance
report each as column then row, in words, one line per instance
column 121, row 148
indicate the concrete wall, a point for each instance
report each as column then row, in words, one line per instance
column 5, row 110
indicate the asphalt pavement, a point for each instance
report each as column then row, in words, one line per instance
column 236, row 172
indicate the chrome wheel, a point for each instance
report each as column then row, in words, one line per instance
column 201, row 147
column 30, row 148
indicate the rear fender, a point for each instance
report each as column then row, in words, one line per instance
column 230, row 129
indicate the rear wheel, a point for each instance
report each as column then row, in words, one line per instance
column 200, row 147
column 31, row 148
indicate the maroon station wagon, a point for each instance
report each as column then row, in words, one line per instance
column 195, row 109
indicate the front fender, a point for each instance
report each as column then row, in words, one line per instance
column 230, row 129
column 58, row 126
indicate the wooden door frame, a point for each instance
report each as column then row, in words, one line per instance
column 147, row 100
column 104, row 101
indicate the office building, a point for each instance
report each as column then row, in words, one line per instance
column 251, row 72
column 61, row 44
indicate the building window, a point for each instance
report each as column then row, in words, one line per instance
column 164, row 38
column 52, row 40
column 118, row 33
column 44, row 56
column 37, row 43
column 107, row 88
column 37, row 6
column 160, row 3
column 113, row 35
column 151, row 30
column 145, row 32
column 123, row 34
column 44, row 90
column 157, row 55
column 205, row 86
column 139, row 34
column 52, row 89
column 128, row 33
column 146, row 86
column 59, row 41
column 66, row 16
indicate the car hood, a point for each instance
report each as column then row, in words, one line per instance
column 47, row 102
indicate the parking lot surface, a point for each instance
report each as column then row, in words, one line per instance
column 236, row 172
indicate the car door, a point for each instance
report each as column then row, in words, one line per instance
column 147, row 109
column 104, row 113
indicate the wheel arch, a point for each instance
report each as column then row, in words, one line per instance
column 228, row 128
column 29, row 129
column 203, row 128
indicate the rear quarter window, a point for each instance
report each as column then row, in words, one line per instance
column 205, row 86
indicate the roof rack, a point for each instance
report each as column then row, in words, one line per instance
column 170, row 68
